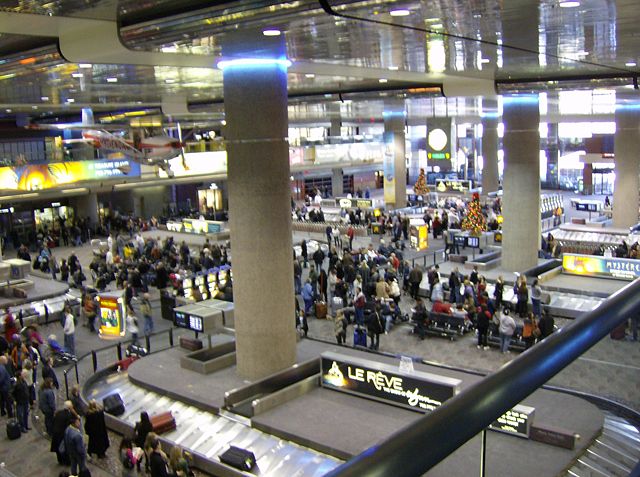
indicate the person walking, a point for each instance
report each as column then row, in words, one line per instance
column 507, row 329
column 69, row 331
column 74, row 446
column 96, row 429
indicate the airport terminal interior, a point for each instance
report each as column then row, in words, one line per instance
column 319, row 238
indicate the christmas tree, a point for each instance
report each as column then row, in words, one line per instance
column 420, row 187
column 474, row 221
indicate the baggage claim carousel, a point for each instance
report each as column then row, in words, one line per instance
column 296, row 425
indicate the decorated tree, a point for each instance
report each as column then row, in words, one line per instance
column 474, row 221
column 420, row 187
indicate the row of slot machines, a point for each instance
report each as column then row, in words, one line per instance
column 551, row 204
column 211, row 283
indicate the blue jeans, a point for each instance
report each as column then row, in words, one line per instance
column 388, row 323
column 22, row 411
column 505, row 341
column 148, row 325
column 307, row 305
column 77, row 464
column 360, row 316
column 298, row 283
column 535, row 304
column 70, row 344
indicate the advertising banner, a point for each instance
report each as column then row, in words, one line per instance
column 389, row 168
column 111, row 316
column 596, row 266
column 347, row 203
column 418, row 391
column 45, row 176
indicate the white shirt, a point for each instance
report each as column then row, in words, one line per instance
column 109, row 257
column 131, row 324
column 69, row 325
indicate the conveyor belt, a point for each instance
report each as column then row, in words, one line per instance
column 209, row 435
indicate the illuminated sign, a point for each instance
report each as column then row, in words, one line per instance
column 595, row 266
column 46, row 176
column 352, row 152
column 439, row 138
column 452, row 185
column 346, row 203
column 418, row 391
column 111, row 315
column 195, row 226
column 389, row 166
column 197, row 317
column 517, row 421
column 197, row 163
column 419, row 235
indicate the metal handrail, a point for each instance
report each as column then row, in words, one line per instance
column 117, row 346
column 414, row 450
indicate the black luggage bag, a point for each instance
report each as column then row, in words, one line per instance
column 113, row 404
column 13, row 430
column 238, row 458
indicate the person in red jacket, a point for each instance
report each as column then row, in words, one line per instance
column 10, row 328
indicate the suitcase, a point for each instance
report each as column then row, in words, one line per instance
column 163, row 422
column 135, row 350
column 124, row 364
column 13, row 430
column 321, row 310
column 619, row 332
column 190, row 343
column 359, row 337
column 238, row 458
column 113, row 404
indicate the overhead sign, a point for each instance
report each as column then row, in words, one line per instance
column 194, row 226
column 198, row 318
column 439, row 138
column 197, row 163
column 418, row 391
column 347, row 203
column 453, row 185
column 595, row 266
column 517, row 421
column 45, row 176
column 352, row 152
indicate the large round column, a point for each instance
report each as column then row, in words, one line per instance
column 255, row 100
column 521, row 200
column 490, row 180
column 395, row 166
column 627, row 158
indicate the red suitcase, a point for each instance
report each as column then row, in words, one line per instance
column 163, row 422
column 125, row 363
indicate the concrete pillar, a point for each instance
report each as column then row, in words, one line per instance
column 395, row 167
column 521, row 200
column 490, row 179
column 335, row 130
column 255, row 100
column 337, row 182
column 553, row 156
column 627, row 157
column 87, row 206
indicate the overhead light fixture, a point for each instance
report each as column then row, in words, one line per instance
column 401, row 12
column 85, row 65
column 254, row 62
column 44, row 98
column 309, row 75
column 8, row 198
column 8, row 110
column 77, row 75
column 71, row 100
column 383, row 80
column 485, row 60
column 393, row 68
column 112, row 79
column 223, row 122
column 630, row 64
column 271, row 32
column 437, row 26
column 169, row 81
column 34, row 107
column 569, row 4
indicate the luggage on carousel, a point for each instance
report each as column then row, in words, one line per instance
column 124, row 364
column 163, row 422
column 13, row 429
column 113, row 404
column 321, row 310
column 191, row 344
column 359, row 336
column 238, row 458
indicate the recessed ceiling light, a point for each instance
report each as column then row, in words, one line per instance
column 436, row 25
column 485, row 60
column 34, row 107
column 111, row 79
column 138, row 102
column 569, row 4
column 393, row 68
column 309, row 75
column 77, row 75
column 8, row 110
column 403, row 12
column 71, row 100
column 271, row 32
column 44, row 98
column 630, row 64
column 383, row 80
column 223, row 122
column 84, row 65
column 169, row 81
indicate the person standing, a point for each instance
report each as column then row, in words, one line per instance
column 536, row 297
column 48, row 372
column 6, row 407
column 132, row 325
column 482, row 324
column 307, row 296
column 498, row 291
column 158, row 460
column 340, row 327
column 304, row 252
column 318, row 258
column 375, row 328
column 47, row 404
column 145, row 309
column 507, row 328
column 20, row 394
column 69, row 331
column 74, row 446
column 415, row 277
column 522, row 305
column 96, row 429
column 297, row 276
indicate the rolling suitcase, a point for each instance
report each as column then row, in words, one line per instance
column 321, row 310
column 359, row 337
column 238, row 458
column 124, row 364
column 191, row 344
column 163, row 422
column 13, row 430
column 113, row 404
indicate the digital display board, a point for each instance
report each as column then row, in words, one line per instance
column 596, row 266
column 111, row 315
column 418, row 391
column 195, row 226
column 203, row 319
column 473, row 242
column 516, row 421
column 453, row 185
column 346, row 203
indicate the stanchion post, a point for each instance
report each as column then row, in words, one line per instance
column 119, row 351
column 483, row 453
column 66, row 384
column 94, row 359
column 77, row 375
column 171, row 337
column 148, row 343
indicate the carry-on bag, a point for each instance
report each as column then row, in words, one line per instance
column 13, row 430
column 113, row 404
column 163, row 422
column 321, row 310
column 359, row 337
column 238, row 458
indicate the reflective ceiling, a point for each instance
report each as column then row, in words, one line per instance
column 348, row 47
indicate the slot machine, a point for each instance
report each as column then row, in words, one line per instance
column 187, row 286
column 223, row 277
column 201, row 283
column 212, row 282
